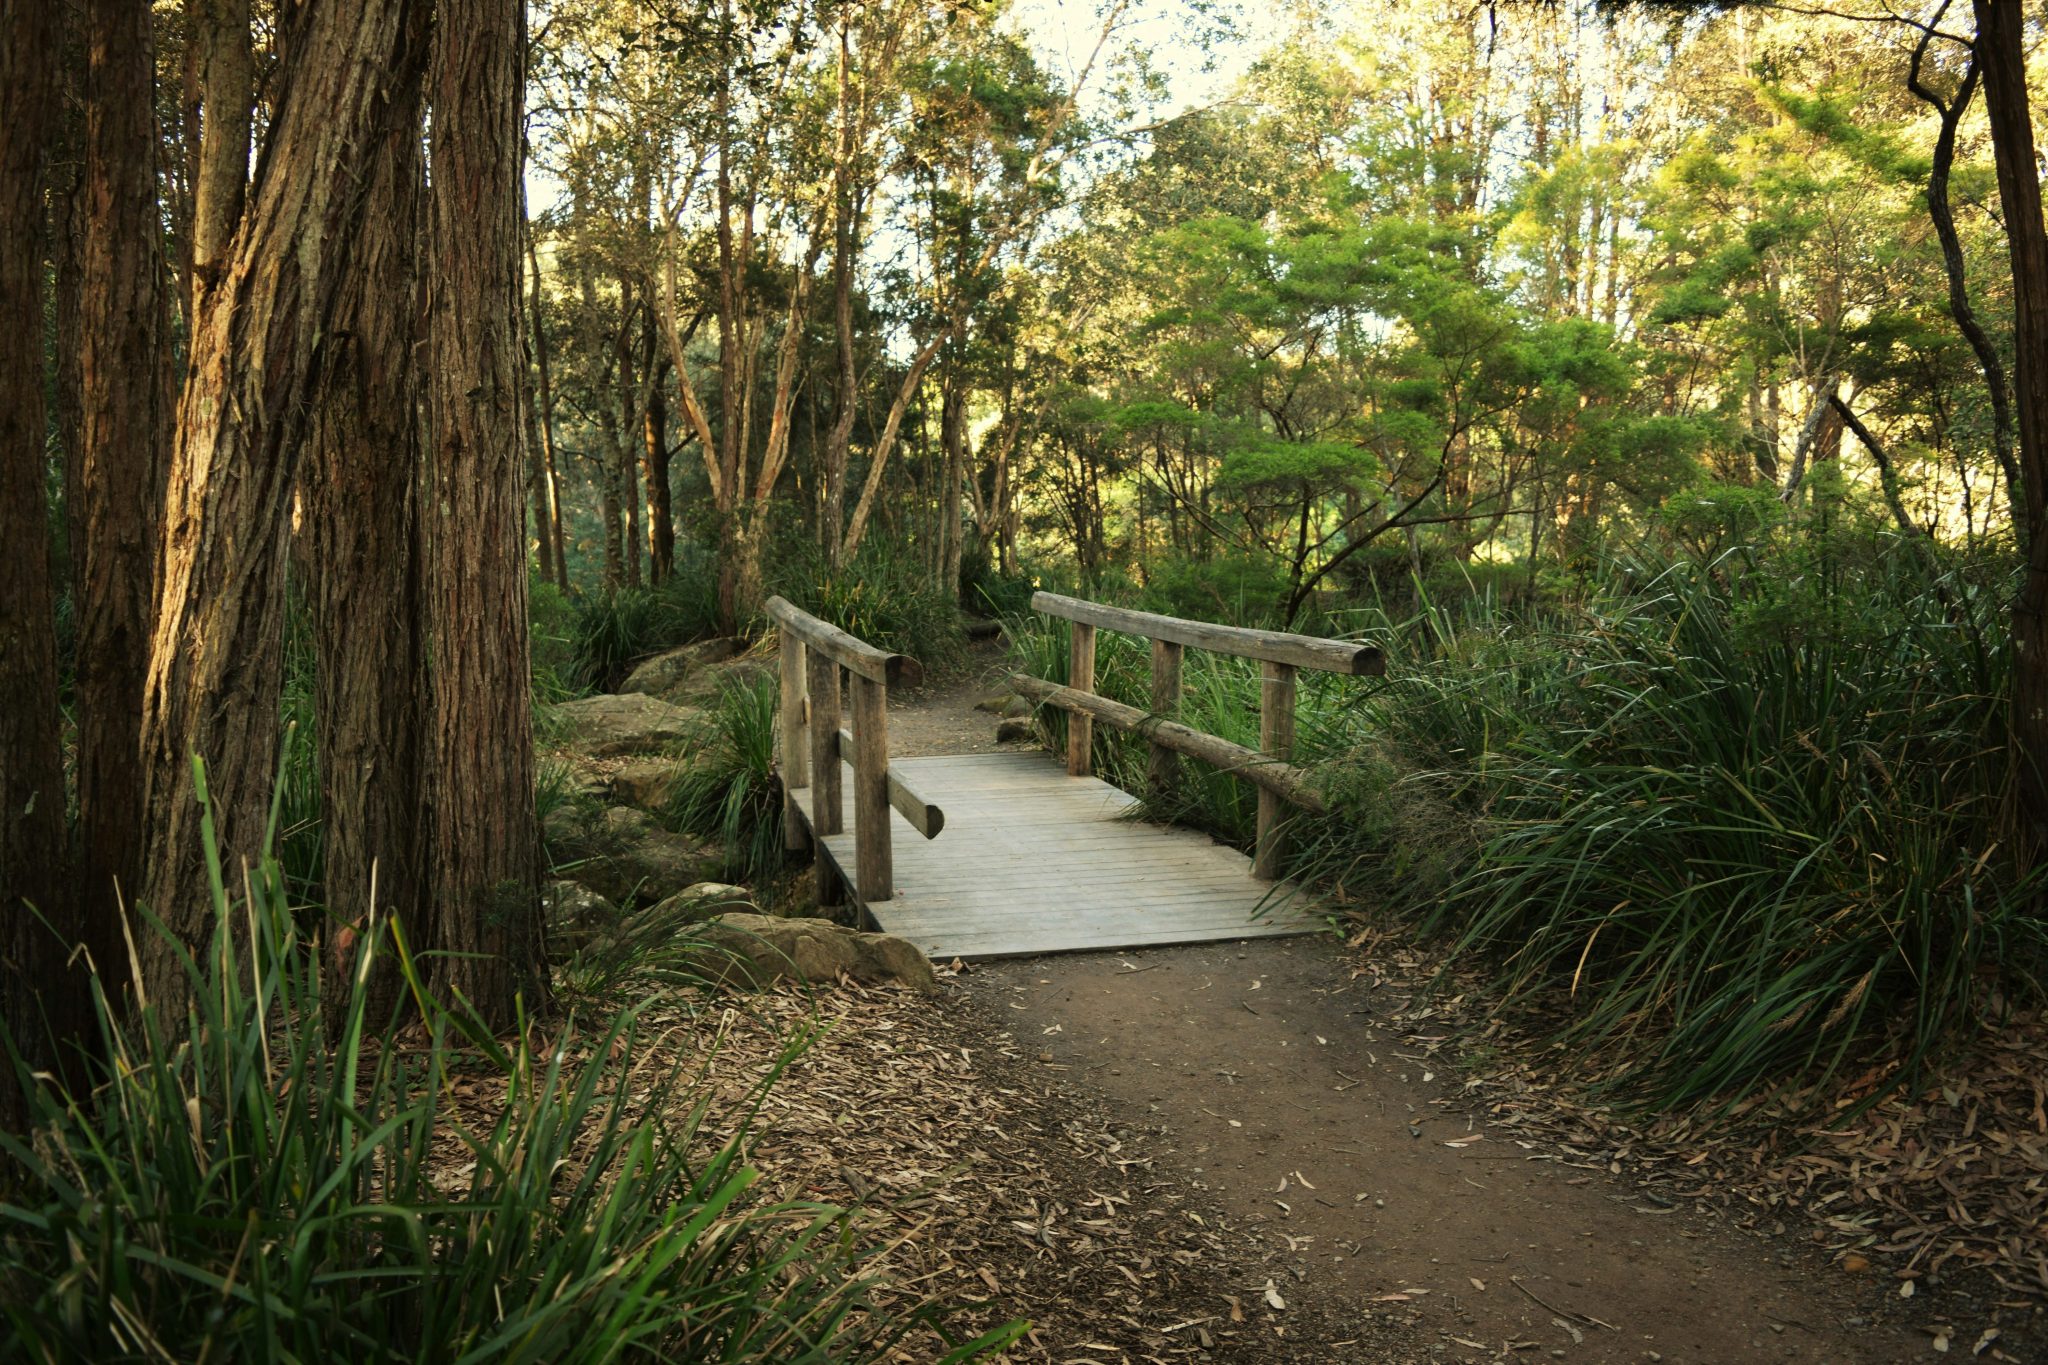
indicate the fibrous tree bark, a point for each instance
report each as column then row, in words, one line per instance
column 117, row 490
column 359, row 487
column 32, row 834
column 484, row 846
column 260, row 327
column 224, row 82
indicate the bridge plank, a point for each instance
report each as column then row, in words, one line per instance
column 1034, row 861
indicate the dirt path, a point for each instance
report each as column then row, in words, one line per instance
column 941, row 718
column 1282, row 1092
column 1279, row 1089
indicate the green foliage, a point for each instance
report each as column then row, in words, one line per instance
column 552, row 634
column 616, row 629
column 729, row 790
column 256, row 1179
column 885, row 596
column 1745, row 813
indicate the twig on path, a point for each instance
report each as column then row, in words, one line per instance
column 1587, row 1318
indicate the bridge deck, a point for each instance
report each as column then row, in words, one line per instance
column 1034, row 861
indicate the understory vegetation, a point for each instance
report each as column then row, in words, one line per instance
column 383, row 385
column 275, row 1172
column 1723, row 823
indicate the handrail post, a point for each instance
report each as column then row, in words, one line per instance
column 874, row 868
column 796, row 756
column 1162, row 771
column 1276, row 740
column 823, row 675
column 1081, row 677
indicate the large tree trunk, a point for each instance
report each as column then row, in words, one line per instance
column 2001, row 56
column 39, row 999
column 119, row 479
column 124, row 409
column 360, row 488
column 484, row 844
column 261, row 325
column 65, row 196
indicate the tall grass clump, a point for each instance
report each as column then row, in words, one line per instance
column 729, row 790
column 1744, row 818
column 616, row 628
column 885, row 595
column 255, row 1178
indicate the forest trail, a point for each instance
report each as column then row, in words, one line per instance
column 1282, row 1085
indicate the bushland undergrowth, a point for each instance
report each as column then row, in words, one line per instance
column 1726, row 824
column 254, row 1177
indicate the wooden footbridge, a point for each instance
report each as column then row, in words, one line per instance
column 1009, row 854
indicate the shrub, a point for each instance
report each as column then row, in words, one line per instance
column 256, row 1179
column 729, row 790
column 1744, row 815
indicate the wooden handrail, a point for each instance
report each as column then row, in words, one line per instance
column 849, row 652
column 1282, row 779
column 1270, row 646
column 818, row 662
column 924, row 817
column 1280, row 783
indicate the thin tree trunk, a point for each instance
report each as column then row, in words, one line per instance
column 225, row 68
column 953, row 439
column 625, row 446
column 839, row 442
column 537, row 523
column 360, row 489
column 552, row 527
column 661, row 526
column 214, row 658
column 124, row 407
column 483, row 843
column 1938, row 211
column 2001, row 56
column 1809, row 433
column 39, row 999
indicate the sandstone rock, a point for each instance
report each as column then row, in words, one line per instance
column 644, row 783
column 996, row 704
column 624, row 723
column 658, row 675
column 1008, row 731
column 758, row 948
column 565, row 831
column 630, row 860
column 1018, row 708
column 575, row 914
column 706, row 685
column 706, row 900
column 623, row 824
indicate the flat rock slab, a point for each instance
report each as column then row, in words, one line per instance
column 615, row 724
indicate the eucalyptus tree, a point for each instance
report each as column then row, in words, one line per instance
column 261, row 314
column 33, row 883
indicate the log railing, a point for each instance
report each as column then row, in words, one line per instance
column 818, row 660
column 1280, row 783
